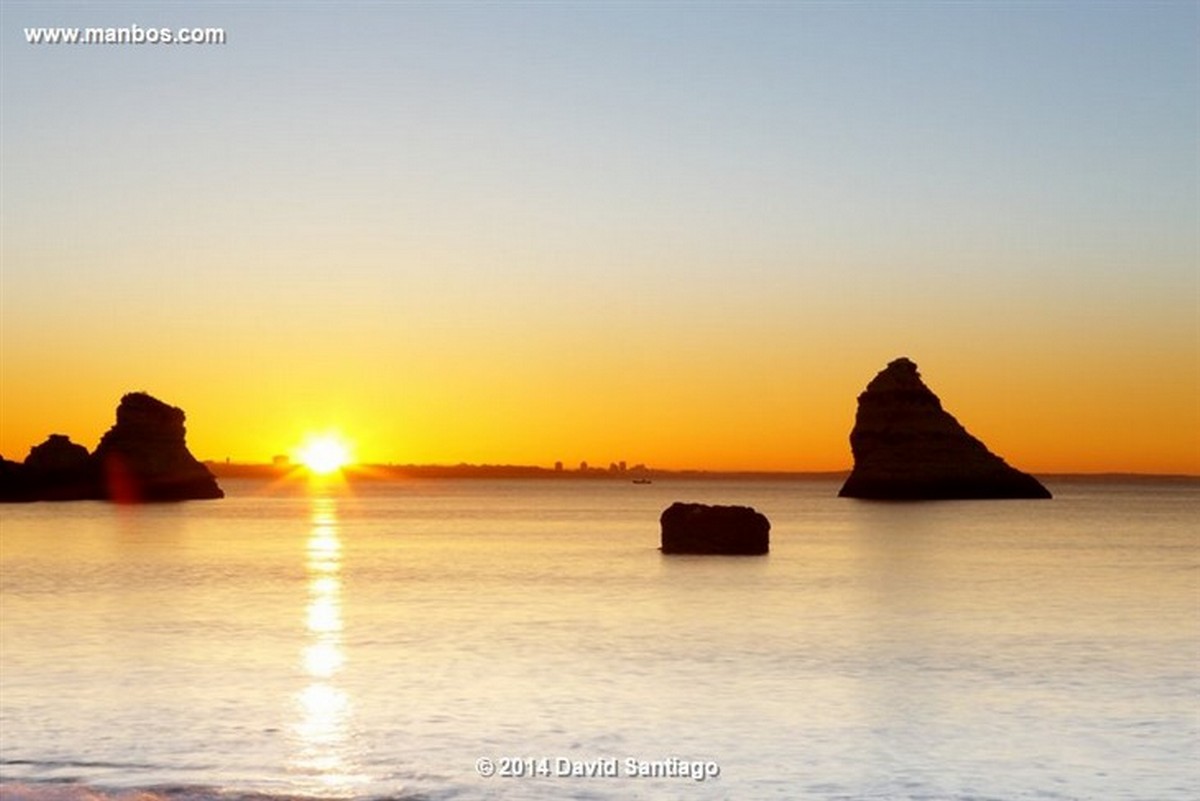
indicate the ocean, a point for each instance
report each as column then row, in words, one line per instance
column 525, row 639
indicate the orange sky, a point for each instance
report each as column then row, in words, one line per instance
column 781, row 409
column 522, row 235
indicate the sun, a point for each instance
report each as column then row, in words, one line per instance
column 324, row 455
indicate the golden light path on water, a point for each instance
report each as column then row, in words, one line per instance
column 323, row 729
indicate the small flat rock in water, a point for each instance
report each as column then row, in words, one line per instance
column 702, row 529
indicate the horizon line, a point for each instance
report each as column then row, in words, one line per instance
column 364, row 469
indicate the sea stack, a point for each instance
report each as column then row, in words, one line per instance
column 144, row 456
column 702, row 529
column 60, row 469
column 907, row 447
column 141, row 458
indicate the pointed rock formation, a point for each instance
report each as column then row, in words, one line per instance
column 699, row 528
column 141, row 458
column 907, row 447
column 144, row 456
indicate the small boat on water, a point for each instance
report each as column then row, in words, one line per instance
column 642, row 481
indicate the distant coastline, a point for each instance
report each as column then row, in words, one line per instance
column 385, row 472
column 393, row 472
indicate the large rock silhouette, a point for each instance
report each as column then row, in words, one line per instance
column 143, row 457
column 907, row 447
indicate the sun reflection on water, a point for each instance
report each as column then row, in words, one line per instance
column 323, row 729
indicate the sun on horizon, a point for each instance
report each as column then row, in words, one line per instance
column 324, row 454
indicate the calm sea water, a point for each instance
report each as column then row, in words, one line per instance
column 380, row 642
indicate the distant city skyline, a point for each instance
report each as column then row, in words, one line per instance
column 685, row 235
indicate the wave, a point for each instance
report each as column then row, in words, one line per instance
column 69, row 790
column 46, row 764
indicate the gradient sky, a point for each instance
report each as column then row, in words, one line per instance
column 682, row 234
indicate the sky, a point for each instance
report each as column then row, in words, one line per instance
column 679, row 234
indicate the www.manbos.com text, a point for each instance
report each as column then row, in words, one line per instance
column 129, row 34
